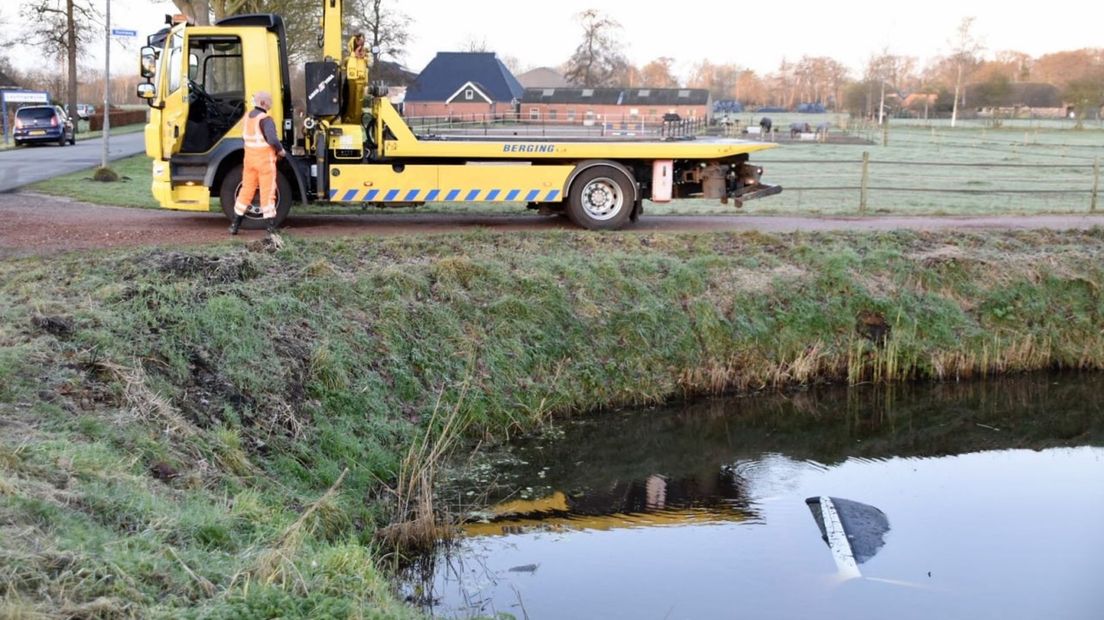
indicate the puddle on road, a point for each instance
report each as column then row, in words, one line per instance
column 991, row 496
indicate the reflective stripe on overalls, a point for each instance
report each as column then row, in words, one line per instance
column 258, row 169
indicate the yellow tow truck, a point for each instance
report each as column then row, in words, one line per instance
column 355, row 149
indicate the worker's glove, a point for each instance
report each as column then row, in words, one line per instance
column 282, row 153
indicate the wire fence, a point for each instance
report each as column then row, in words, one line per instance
column 922, row 170
column 545, row 126
column 899, row 186
column 902, row 168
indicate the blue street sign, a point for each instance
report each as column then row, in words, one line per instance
column 120, row 32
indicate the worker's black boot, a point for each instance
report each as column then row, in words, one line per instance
column 235, row 224
column 270, row 225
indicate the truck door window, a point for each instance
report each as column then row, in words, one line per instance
column 218, row 87
column 176, row 55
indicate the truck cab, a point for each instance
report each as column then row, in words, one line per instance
column 200, row 80
column 355, row 148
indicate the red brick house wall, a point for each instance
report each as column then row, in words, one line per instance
column 415, row 109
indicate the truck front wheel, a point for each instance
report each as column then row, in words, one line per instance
column 600, row 198
column 228, row 192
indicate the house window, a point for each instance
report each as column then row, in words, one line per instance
column 644, row 93
column 571, row 115
column 548, row 92
column 469, row 94
column 534, row 113
column 684, row 94
column 588, row 92
column 551, row 114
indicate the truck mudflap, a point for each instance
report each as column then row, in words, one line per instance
column 751, row 192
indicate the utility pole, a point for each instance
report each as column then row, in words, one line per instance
column 881, row 104
column 107, row 85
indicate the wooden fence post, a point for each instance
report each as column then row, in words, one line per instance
column 885, row 130
column 1096, row 184
column 865, row 182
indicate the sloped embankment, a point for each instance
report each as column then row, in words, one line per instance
column 218, row 429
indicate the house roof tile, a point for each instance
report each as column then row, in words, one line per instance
column 448, row 71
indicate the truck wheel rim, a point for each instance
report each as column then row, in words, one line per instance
column 254, row 211
column 602, row 198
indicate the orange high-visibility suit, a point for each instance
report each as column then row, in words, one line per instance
column 259, row 168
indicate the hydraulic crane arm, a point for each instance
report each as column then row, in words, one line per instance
column 351, row 58
column 331, row 30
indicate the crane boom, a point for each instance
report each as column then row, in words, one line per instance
column 331, row 29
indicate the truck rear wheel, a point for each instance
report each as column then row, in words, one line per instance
column 228, row 192
column 600, row 198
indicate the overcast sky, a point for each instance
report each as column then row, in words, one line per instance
column 754, row 35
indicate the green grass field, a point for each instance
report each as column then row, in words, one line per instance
column 133, row 190
column 925, row 170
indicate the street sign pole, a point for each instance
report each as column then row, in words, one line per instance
column 107, row 85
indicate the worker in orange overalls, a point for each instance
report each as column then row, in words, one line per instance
column 262, row 147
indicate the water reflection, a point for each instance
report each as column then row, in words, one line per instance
column 993, row 513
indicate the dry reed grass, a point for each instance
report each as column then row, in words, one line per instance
column 416, row 525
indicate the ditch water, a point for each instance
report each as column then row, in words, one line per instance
column 992, row 495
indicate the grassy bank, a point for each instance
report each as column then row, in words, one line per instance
column 223, row 430
column 133, row 190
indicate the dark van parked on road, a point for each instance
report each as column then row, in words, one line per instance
column 43, row 123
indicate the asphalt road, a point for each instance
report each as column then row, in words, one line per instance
column 33, row 224
column 28, row 164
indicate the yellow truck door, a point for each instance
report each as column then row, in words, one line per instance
column 175, row 87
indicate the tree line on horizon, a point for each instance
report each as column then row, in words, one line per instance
column 1077, row 74
column 599, row 60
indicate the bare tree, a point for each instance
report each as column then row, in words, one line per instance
column 475, row 44
column 513, row 63
column 598, row 59
column 1087, row 96
column 196, row 11
column 659, row 73
column 206, row 12
column 387, row 28
column 723, row 81
column 891, row 70
column 62, row 28
column 965, row 48
column 384, row 27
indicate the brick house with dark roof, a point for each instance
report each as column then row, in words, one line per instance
column 614, row 105
column 463, row 84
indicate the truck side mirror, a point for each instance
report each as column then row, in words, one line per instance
column 149, row 61
column 146, row 91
